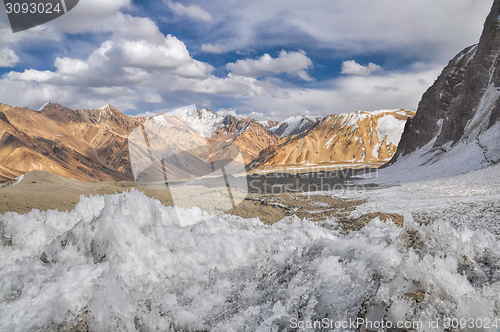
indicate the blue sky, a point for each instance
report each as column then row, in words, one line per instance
column 265, row 59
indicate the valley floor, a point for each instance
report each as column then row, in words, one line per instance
column 126, row 262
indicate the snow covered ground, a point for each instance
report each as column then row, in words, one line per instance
column 124, row 263
column 471, row 199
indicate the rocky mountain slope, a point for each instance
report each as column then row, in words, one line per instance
column 360, row 137
column 99, row 144
column 93, row 145
column 86, row 145
column 456, row 127
column 251, row 136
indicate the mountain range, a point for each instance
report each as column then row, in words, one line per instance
column 358, row 137
column 93, row 145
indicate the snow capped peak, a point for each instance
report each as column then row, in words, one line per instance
column 293, row 125
column 159, row 119
column 43, row 106
column 203, row 121
column 185, row 111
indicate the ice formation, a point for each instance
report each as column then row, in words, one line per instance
column 123, row 263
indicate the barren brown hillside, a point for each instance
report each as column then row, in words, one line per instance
column 86, row 145
column 359, row 137
column 93, row 145
column 248, row 134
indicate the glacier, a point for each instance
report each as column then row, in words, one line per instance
column 124, row 262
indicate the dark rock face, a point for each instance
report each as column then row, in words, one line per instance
column 463, row 102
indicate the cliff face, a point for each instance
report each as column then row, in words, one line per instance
column 457, row 120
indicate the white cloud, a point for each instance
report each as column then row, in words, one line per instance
column 8, row 58
column 15, row 93
column 209, row 48
column 294, row 63
column 32, row 75
column 192, row 11
column 351, row 67
column 228, row 111
column 120, row 61
column 87, row 15
column 408, row 28
column 68, row 66
column 170, row 54
column 137, row 63
column 347, row 94
column 232, row 85
column 153, row 98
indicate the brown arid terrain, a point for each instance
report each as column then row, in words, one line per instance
column 93, row 145
column 99, row 144
column 50, row 157
column 360, row 137
column 45, row 191
column 87, row 145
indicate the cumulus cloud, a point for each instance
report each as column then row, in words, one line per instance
column 351, row 67
column 355, row 27
column 127, row 58
column 8, row 58
column 15, row 93
column 137, row 63
column 346, row 94
column 228, row 111
column 86, row 16
column 134, row 62
column 294, row 63
column 192, row 11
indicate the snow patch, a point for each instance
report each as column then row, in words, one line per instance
column 477, row 149
column 43, row 106
column 481, row 118
column 202, row 121
column 390, row 127
column 376, row 149
column 159, row 120
column 18, row 179
column 294, row 124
